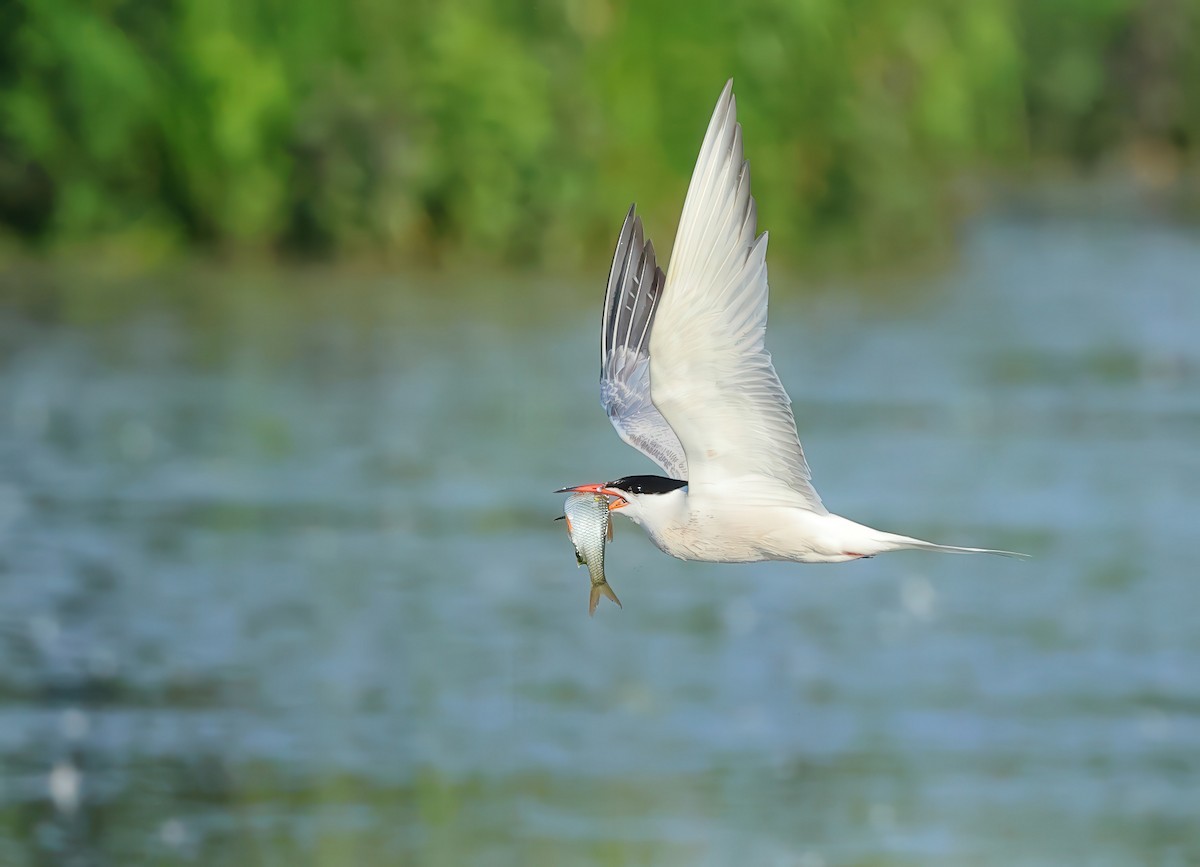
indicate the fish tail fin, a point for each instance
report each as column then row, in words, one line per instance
column 599, row 590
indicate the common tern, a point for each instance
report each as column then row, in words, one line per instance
column 686, row 379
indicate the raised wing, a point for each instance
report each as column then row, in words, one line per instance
column 711, row 375
column 634, row 287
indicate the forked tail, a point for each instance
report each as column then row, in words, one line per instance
column 894, row 542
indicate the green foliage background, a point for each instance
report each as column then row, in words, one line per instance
column 518, row 132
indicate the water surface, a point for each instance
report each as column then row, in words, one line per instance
column 279, row 581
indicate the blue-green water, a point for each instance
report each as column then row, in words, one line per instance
column 279, row 582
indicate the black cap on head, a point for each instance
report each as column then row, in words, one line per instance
column 646, row 484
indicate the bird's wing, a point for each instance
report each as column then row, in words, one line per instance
column 634, row 287
column 711, row 375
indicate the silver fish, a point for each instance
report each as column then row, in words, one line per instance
column 589, row 525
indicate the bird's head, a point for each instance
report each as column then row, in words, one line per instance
column 634, row 494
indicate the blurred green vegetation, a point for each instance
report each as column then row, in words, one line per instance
column 518, row 132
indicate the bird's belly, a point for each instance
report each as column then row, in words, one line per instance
column 710, row 551
column 719, row 538
column 687, row 546
column 752, row 535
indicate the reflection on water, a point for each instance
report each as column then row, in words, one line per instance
column 279, row 581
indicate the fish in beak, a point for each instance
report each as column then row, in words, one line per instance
column 589, row 524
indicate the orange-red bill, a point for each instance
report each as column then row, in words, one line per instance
column 618, row 503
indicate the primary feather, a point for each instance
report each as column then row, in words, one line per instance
column 635, row 285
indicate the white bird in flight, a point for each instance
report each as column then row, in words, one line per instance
column 686, row 379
